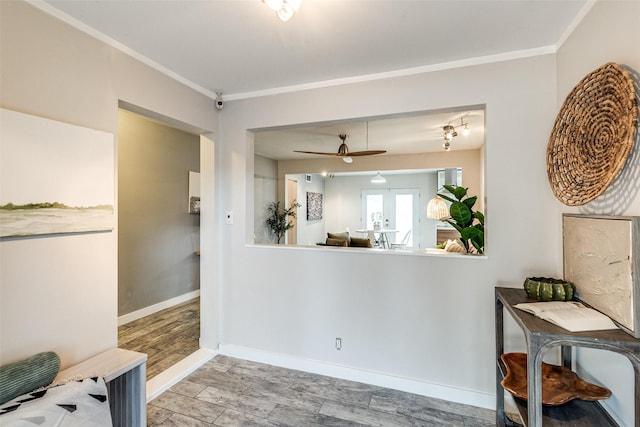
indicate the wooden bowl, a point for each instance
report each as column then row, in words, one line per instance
column 559, row 384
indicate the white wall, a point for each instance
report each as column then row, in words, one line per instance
column 60, row 293
column 309, row 232
column 428, row 319
column 609, row 33
column 265, row 179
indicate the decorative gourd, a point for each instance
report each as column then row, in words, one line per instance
column 549, row 289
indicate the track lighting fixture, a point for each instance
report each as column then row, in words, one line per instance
column 450, row 132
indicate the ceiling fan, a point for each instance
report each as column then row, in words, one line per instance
column 343, row 150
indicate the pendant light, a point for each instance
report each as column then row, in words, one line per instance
column 437, row 208
column 378, row 179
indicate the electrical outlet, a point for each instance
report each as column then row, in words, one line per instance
column 338, row 343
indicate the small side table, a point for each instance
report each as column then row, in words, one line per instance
column 540, row 335
column 124, row 372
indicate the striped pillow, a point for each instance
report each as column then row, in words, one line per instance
column 27, row 375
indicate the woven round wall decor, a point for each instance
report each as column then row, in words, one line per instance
column 593, row 135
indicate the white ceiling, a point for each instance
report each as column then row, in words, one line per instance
column 405, row 134
column 240, row 46
column 242, row 49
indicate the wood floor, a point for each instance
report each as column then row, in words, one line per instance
column 167, row 336
column 230, row 392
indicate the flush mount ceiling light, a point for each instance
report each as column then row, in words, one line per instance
column 378, row 179
column 450, row 132
column 284, row 8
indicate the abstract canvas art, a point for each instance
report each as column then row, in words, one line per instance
column 314, row 206
column 54, row 177
column 601, row 259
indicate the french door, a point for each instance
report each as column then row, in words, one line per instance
column 395, row 209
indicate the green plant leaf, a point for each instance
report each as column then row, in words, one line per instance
column 478, row 243
column 460, row 213
column 480, row 216
column 470, row 201
column 450, row 188
column 470, row 233
column 456, row 226
column 459, row 192
column 444, row 196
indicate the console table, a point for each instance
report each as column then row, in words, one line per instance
column 540, row 335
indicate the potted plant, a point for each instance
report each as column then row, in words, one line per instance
column 278, row 220
column 469, row 223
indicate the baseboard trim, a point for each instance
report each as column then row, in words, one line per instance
column 439, row 391
column 169, row 377
column 139, row 314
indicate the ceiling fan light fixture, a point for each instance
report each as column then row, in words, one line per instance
column 378, row 179
column 284, row 8
column 343, row 151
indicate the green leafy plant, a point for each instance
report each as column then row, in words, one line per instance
column 469, row 223
column 278, row 220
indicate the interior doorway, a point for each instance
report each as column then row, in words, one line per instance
column 158, row 240
column 393, row 209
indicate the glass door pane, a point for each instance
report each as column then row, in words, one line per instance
column 405, row 217
column 395, row 209
column 373, row 209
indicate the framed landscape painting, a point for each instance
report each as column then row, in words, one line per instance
column 54, row 177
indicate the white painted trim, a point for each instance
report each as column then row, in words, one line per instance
column 574, row 24
column 139, row 314
column 166, row 379
column 452, row 394
column 480, row 60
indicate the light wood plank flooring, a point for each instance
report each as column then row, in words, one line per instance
column 229, row 392
column 167, row 336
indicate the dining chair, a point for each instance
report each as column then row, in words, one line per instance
column 403, row 243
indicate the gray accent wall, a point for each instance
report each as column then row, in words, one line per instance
column 157, row 237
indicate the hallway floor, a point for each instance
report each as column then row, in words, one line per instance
column 167, row 336
column 230, row 392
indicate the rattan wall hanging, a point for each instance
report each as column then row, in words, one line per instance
column 593, row 135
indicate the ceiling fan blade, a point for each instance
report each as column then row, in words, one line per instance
column 366, row 153
column 318, row 152
column 343, row 150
